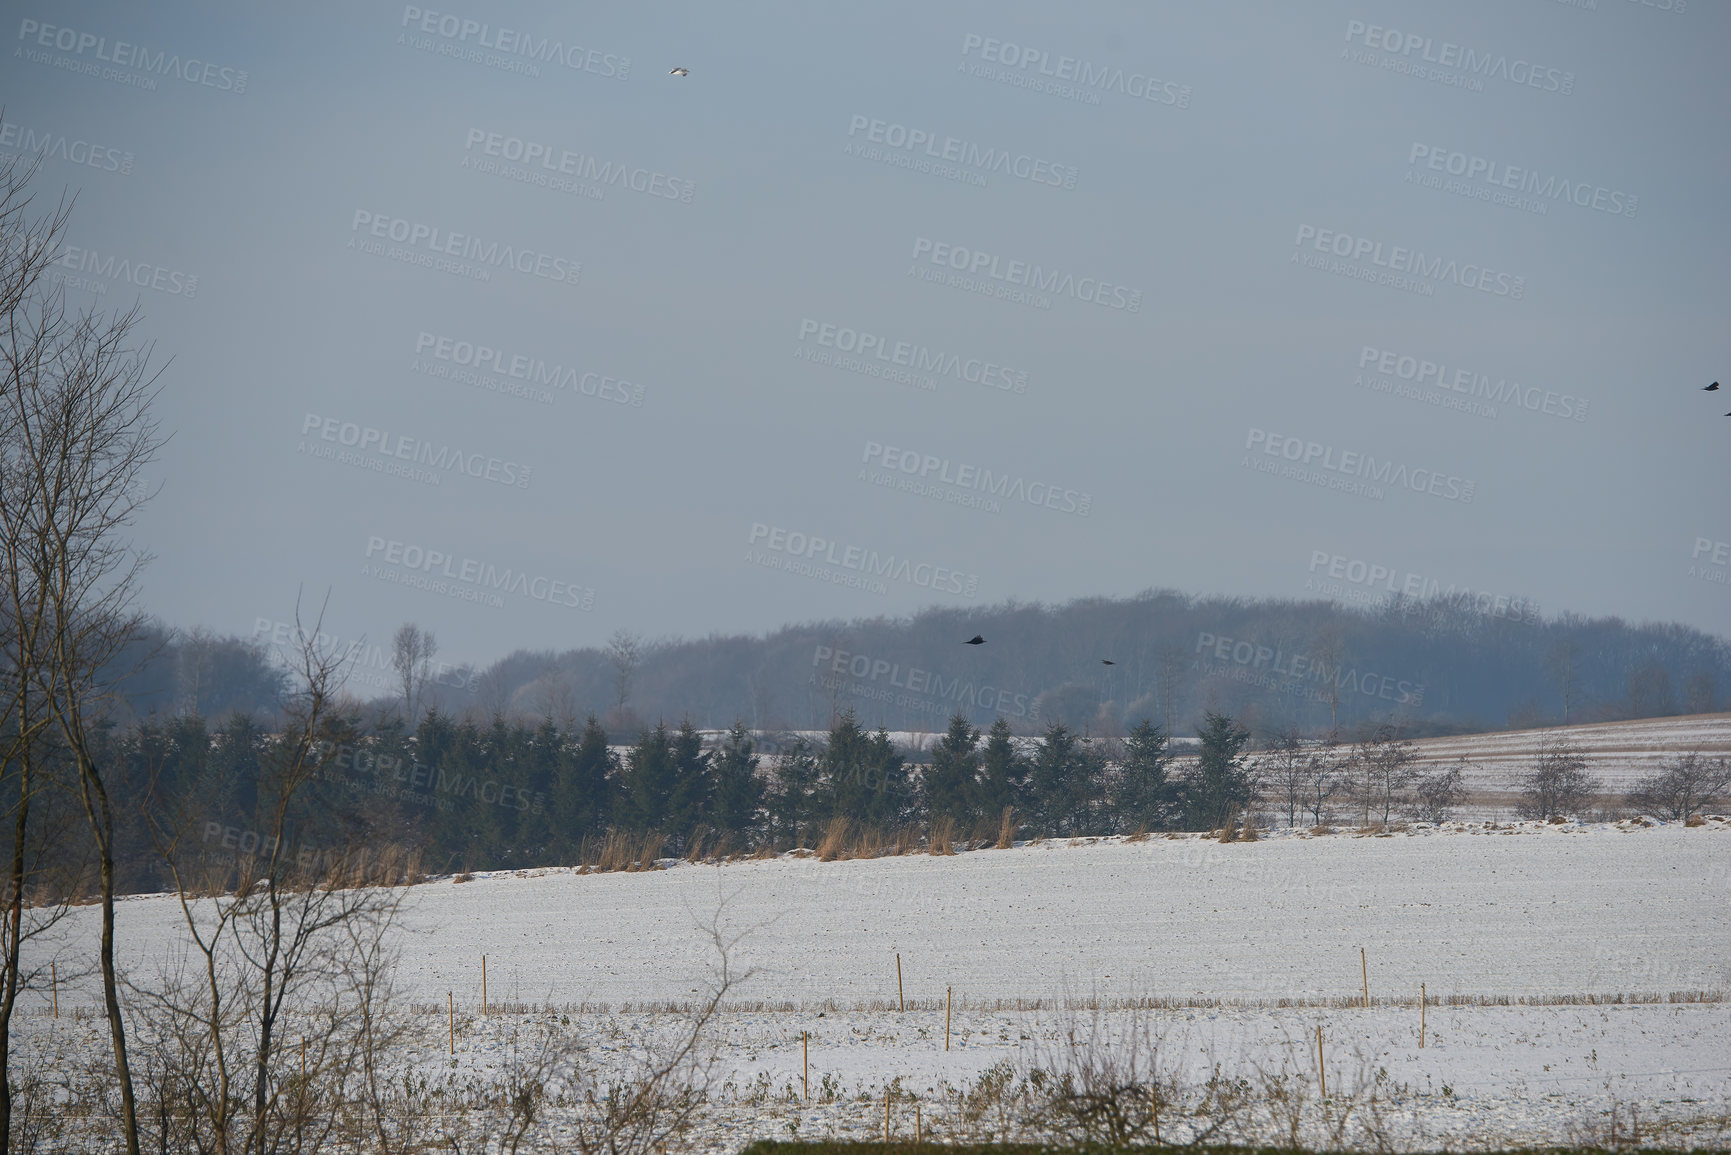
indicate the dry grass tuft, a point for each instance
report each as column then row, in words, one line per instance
column 943, row 835
column 834, row 842
column 1007, row 829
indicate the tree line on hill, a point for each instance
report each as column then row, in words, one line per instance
column 1442, row 666
column 467, row 796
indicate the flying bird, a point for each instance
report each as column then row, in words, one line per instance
column 976, row 640
column 1107, row 662
column 680, row 72
column 1713, row 388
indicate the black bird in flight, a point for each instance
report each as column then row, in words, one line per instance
column 976, row 640
column 680, row 72
column 1107, row 662
column 1713, row 388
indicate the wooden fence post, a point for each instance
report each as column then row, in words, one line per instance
column 1321, row 1073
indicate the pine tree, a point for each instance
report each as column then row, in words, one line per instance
column 1219, row 785
column 1144, row 797
column 739, row 794
column 948, row 787
column 1003, row 773
column 648, row 781
column 1049, row 804
column 692, row 790
column 794, row 806
column 585, row 800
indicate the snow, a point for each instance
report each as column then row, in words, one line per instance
column 1534, row 910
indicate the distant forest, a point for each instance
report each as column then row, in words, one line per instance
column 1434, row 667
column 1065, row 720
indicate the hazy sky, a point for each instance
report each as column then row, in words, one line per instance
column 1208, row 296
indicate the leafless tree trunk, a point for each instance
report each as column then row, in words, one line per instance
column 76, row 427
column 1170, row 674
column 625, row 651
column 1384, row 762
column 1323, row 778
column 1330, row 653
column 1286, row 769
column 412, row 653
column 1560, row 662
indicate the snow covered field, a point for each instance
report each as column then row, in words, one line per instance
column 1539, row 911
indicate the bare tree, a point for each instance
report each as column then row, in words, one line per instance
column 75, row 434
column 1560, row 663
column 1325, row 776
column 1559, row 784
column 625, row 651
column 1285, row 769
column 292, row 937
column 1169, row 676
column 412, row 653
column 1330, row 653
column 1434, row 796
column 1689, row 784
column 1701, row 693
column 1382, row 770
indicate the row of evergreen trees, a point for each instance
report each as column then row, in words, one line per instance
column 511, row 795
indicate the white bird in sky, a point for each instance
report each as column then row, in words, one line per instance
column 680, row 72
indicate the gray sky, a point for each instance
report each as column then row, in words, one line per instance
column 1114, row 267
